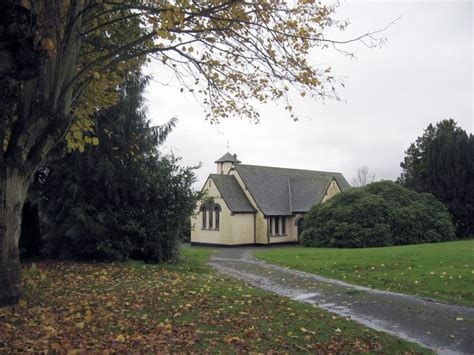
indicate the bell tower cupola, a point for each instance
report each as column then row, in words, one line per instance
column 226, row 162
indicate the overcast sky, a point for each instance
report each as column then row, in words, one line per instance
column 423, row 74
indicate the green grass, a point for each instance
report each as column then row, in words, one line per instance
column 183, row 307
column 441, row 271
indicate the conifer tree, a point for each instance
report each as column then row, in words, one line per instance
column 441, row 162
column 120, row 199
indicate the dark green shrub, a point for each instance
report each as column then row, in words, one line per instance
column 147, row 227
column 122, row 199
column 379, row 214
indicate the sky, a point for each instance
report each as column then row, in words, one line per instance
column 422, row 74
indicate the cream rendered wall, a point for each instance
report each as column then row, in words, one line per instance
column 285, row 239
column 261, row 229
column 242, row 228
column 291, row 232
column 291, row 228
column 224, row 168
column 333, row 189
column 233, row 228
column 221, row 236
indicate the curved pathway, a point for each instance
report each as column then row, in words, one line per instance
column 447, row 329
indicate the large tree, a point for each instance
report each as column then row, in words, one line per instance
column 441, row 162
column 61, row 60
column 121, row 199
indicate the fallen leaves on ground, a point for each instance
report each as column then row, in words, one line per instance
column 133, row 306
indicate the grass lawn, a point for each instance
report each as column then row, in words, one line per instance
column 442, row 271
column 183, row 307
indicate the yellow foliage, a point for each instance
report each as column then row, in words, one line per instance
column 246, row 52
column 79, row 134
column 100, row 93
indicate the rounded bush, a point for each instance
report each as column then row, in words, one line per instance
column 379, row 214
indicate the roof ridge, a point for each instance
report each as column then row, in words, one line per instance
column 328, row 176
column 278, row 167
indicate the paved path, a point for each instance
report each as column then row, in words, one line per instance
column 444, row 328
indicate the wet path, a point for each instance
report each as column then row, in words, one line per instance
column 444, row 328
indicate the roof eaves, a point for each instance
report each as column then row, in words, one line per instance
column 281, row 214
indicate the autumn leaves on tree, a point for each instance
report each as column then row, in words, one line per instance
column 231, row 54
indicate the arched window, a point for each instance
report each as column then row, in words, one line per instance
column 211, row 218
column 203, row 210
column 217, row 210
column 211, row 214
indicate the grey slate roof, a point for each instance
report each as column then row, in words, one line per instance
column 305, row 192
column 232, row 193
column 282, row 192
column 227, row 157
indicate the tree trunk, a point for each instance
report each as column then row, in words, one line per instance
column 13, row 189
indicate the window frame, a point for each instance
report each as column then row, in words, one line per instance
column 208, row 220
column 217, row 219
column 211, row 217
column 203, row 210
column 277, row 226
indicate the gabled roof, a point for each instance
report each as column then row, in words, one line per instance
column 305, row 192
column 232, row 193
column 282, row 192
column 227, row 157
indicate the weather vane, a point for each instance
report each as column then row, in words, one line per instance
column 228, row 146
